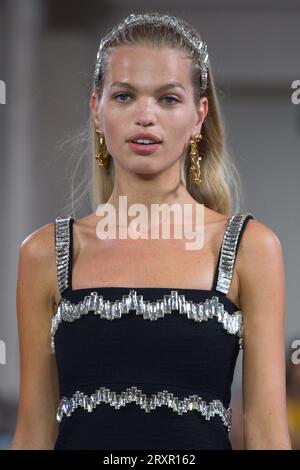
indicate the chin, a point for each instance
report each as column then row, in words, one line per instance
column 142, row 164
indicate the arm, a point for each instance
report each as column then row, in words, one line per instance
column 36, row 425
column 262, row 301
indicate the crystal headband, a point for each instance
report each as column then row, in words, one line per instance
column 200, row 47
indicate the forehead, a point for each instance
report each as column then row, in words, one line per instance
column 145, row 63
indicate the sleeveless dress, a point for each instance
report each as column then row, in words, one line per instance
column 145, row 368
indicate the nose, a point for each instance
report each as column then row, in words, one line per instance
column 145, row 114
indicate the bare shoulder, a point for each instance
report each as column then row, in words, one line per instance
column 258, row 243
column 37, row 242
column 259, row 264
column 37, row 258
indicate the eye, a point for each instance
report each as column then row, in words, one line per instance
column 120, row 94
column 168, row 97
column 172, row 98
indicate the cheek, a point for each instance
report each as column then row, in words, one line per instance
column 178, row 125
column 111, row 125
column 178, row 134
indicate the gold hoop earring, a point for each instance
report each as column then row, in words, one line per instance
column 195, row 159
column 102, row 155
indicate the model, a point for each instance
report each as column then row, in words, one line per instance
column 131, row 343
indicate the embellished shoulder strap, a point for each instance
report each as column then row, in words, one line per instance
column 228, row 251
column 63, row 251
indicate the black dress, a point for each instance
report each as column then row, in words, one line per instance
column 146, row 368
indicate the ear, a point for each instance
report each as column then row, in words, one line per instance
column 201, row 112
column 94, row 104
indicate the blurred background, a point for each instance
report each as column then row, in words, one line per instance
column 47, row 55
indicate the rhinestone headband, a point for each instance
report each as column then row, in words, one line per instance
column 200, row 47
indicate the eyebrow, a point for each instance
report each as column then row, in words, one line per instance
column 161, row 88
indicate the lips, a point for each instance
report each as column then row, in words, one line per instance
column 143, row 135
column 143, row 149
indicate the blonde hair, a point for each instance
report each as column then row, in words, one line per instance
column 220, row 189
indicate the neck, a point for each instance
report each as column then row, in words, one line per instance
column 165, row 188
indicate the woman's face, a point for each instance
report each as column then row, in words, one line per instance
column 133, row 101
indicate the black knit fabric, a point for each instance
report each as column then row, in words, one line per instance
column 173, row 353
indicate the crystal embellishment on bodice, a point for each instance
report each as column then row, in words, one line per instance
column 148, row 310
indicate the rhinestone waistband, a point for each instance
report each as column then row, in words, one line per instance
column 111, row 310
column 148, row 403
